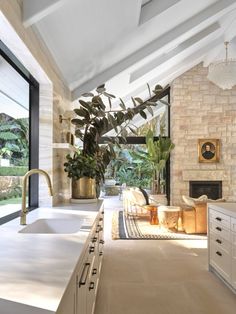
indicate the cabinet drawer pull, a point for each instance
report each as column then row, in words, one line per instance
column 100, row 253
column 101, row 241
column 218, row 218
column 94, row 272
column 84, row 275
column 218, row 228
column 91, row 249
column 218, row 241
column 101, row 219
column 218, row 253
column 94, row 239
column 91, row 285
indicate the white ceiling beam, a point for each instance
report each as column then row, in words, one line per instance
column 204, row 34
column 167, row 76
column 150, row 9
column 212, row 12
column 35, row 10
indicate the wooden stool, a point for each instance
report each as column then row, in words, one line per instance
column 153, row 213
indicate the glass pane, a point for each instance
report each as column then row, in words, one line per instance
column 128, row 168
column 14, row 133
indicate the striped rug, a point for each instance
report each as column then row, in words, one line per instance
column 138, row 228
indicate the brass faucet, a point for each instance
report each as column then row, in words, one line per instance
column 24, row 210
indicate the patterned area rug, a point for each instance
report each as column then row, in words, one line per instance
column 138, row 228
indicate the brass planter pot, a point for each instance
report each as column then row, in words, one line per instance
column 84, row 188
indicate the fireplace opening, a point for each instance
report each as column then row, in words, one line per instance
column 213, row 189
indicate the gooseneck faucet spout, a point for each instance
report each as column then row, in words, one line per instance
column 24, row 210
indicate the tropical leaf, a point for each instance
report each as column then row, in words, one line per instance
column 143, row 114
column 8, row 136
column 139, row 100
column 87, row 95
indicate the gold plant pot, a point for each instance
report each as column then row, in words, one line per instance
column 84, row 188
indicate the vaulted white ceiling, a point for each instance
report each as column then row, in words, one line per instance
column 130, row 43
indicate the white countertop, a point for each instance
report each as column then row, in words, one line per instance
column 35, row 269
column 225, row 208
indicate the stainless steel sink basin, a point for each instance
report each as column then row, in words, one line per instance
column 54, row 226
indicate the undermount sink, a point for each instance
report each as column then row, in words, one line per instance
column 53, row 225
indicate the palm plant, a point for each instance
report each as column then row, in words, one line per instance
column 157, row 154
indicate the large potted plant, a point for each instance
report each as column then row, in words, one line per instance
column 94, row 119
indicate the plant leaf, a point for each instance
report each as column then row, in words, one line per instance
column 150, row 110
column 149, row 90
column 122, row 104
column 133, row 130
column 164, row 102
column 87, row 95
column 109, row 95
column 139, row 100
column 143, row 114
column 133, row 100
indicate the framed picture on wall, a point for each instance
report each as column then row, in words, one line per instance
column 208, row 150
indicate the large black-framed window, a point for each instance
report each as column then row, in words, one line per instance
column 141, row 139
column 33, row 121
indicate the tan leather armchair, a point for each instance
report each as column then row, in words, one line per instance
column 195, row 218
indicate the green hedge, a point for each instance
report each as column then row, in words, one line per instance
column 13, row 171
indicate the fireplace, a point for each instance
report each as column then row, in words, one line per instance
column 213, row 189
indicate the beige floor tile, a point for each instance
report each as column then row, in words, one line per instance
column 158, row 277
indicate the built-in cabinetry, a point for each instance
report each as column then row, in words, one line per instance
column 80, row 296
column 222, row 241
column 87, row 276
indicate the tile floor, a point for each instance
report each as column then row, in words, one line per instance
column 158, row 277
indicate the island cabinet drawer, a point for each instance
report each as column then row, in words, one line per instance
column 219, row 230
column 233, row 224
column 220, row 260
column 219, row 218
column 220, row 242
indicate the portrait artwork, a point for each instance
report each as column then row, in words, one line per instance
column 208, row 150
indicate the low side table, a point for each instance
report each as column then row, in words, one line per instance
column 170, row 217
column 153, row 213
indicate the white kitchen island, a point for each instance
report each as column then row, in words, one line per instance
column 42, row 273
column 222, row 242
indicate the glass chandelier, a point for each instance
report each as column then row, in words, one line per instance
column 223, row 72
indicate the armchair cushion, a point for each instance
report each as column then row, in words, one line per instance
column 191, row 201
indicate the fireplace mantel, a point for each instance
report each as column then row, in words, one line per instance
column 201, row 175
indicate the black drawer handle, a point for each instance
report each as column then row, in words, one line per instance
column 218, row 218
column 91, row 249
column 101, row 241
column 84, row 275
column 94, row 239
column 218, row 228
column 100, row 253
column 91, row 285
column 94, row 272
column 218, row 253
column 218, row 241
column 101, row 219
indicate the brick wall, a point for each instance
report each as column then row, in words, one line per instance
column 199, row 109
